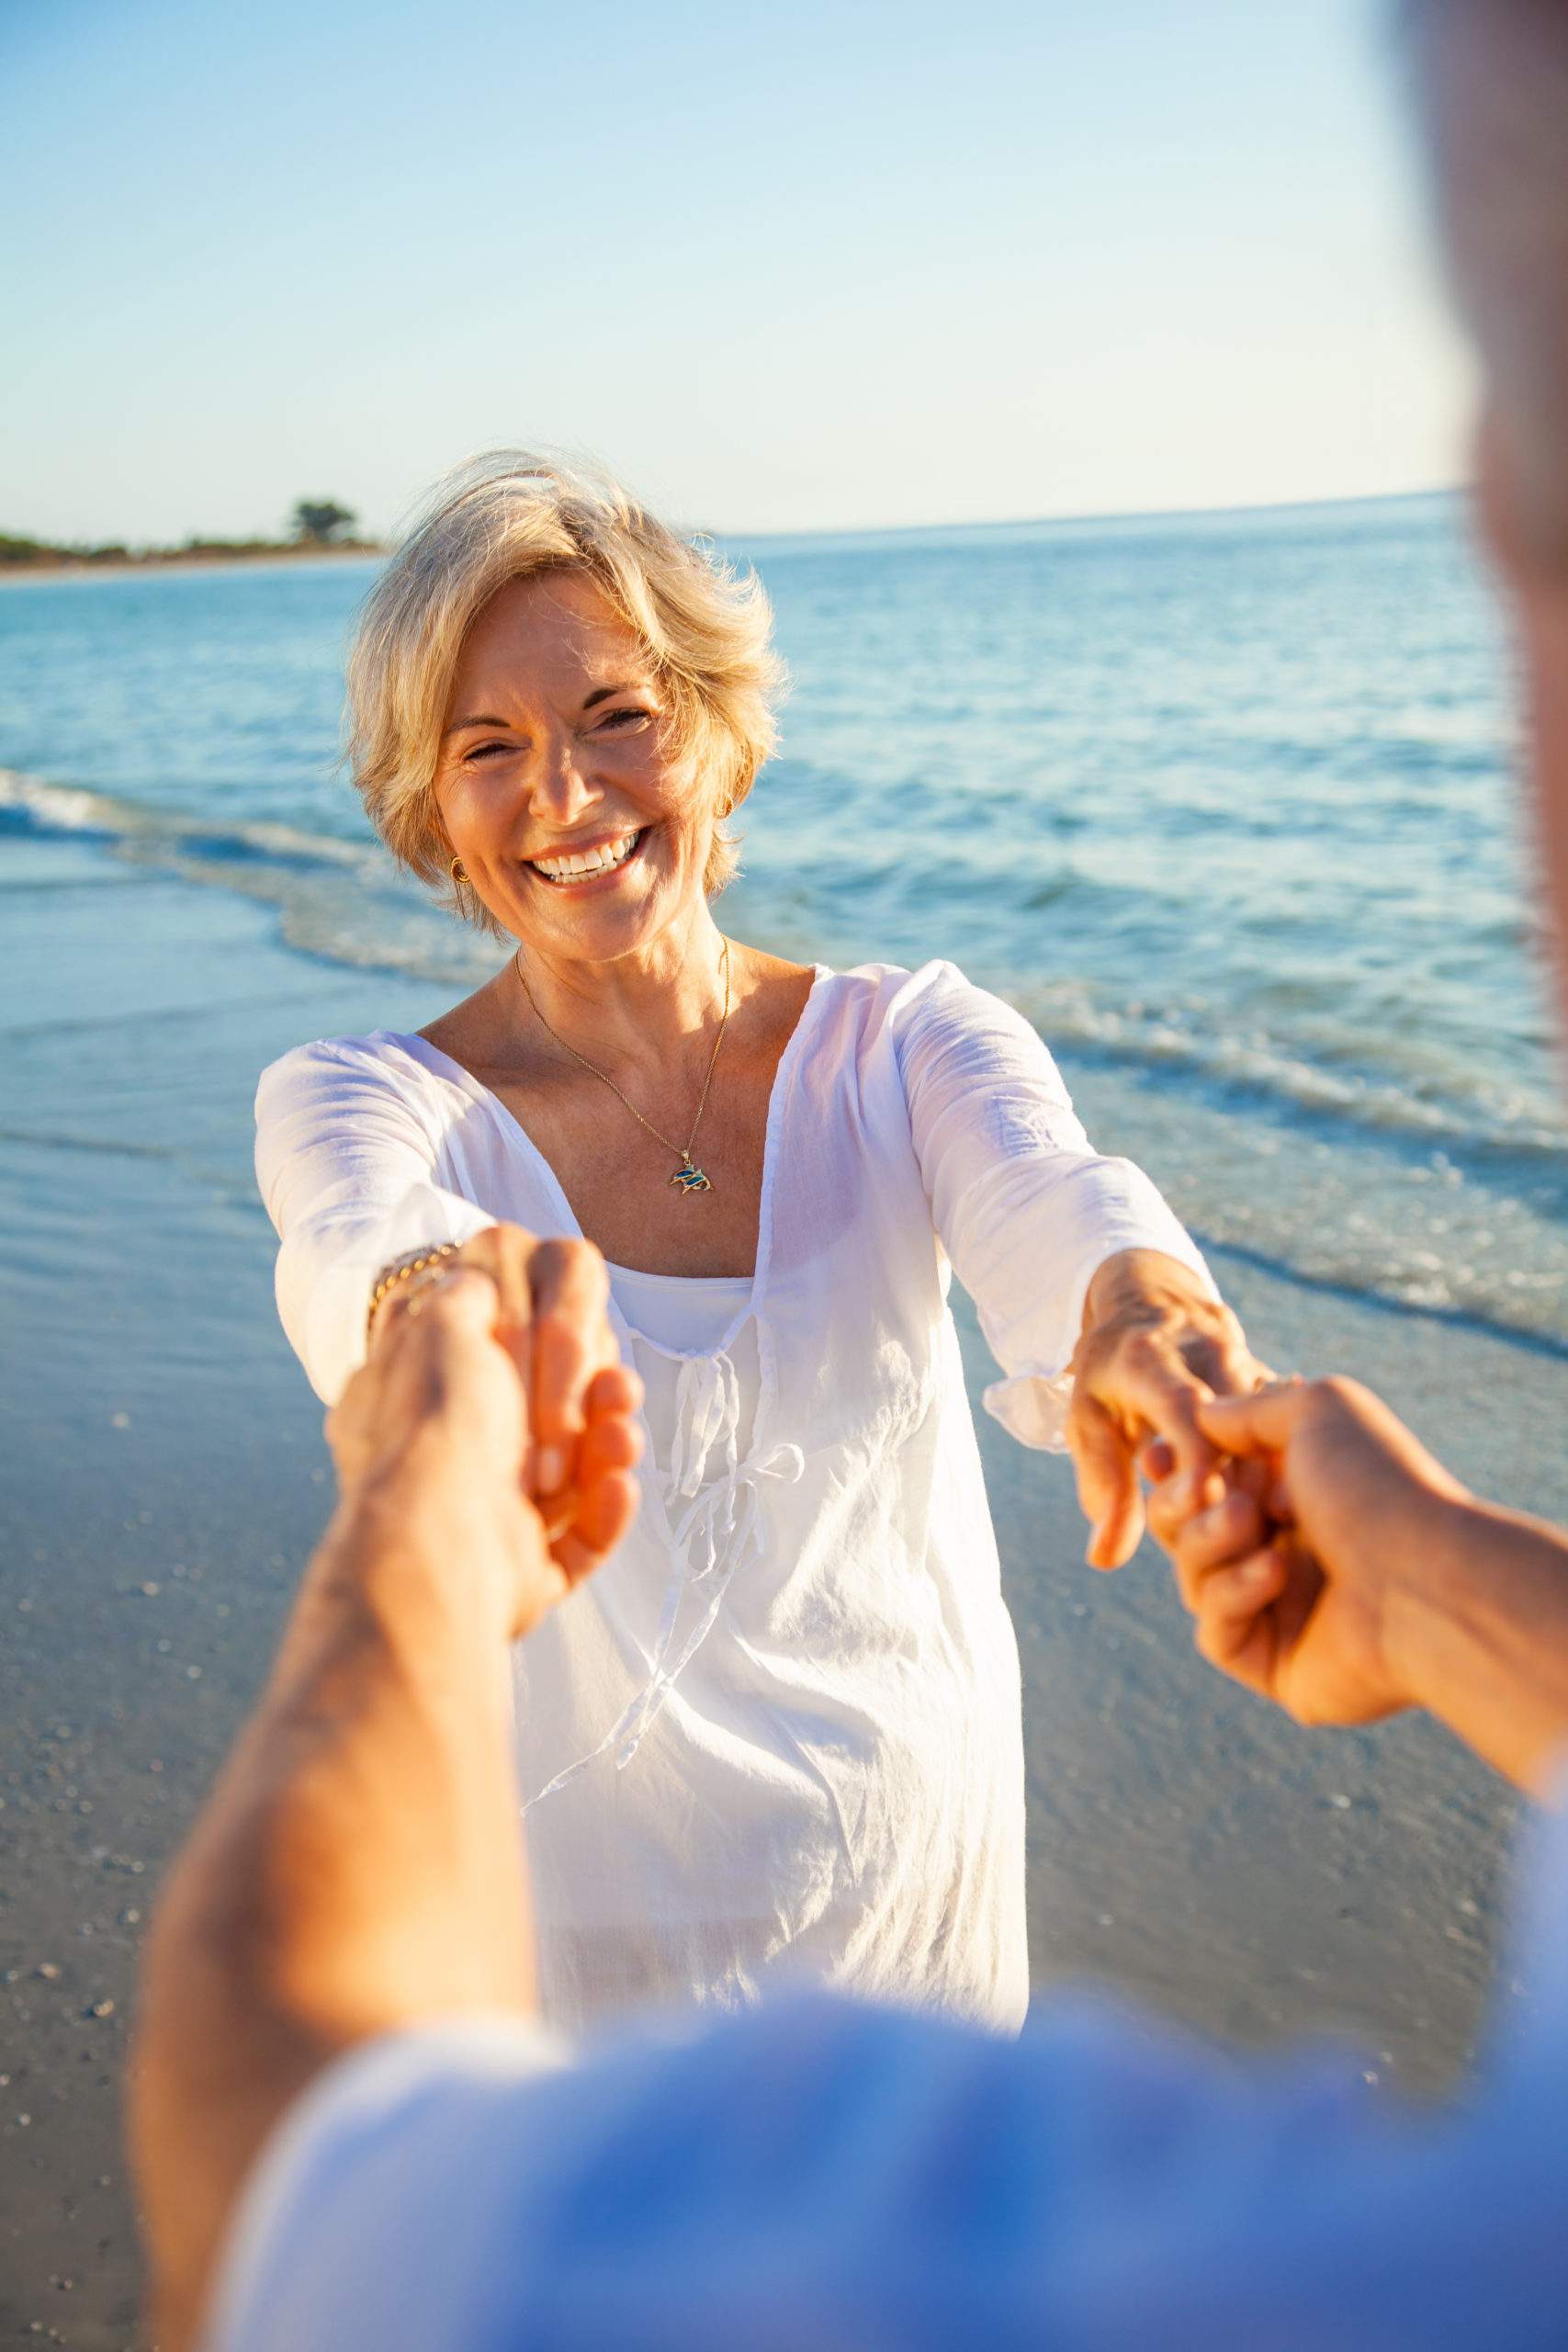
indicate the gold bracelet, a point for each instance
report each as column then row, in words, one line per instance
column 414, row 1263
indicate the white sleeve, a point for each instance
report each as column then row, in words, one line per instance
column 346, row 1168
column 1024, row 1208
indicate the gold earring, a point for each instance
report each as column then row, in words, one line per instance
column 458, row 872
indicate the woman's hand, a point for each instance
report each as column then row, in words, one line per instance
column 581, row 1435
column 1155, row 1347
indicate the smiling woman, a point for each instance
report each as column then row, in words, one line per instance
column 779, row 1732
column 704, row 630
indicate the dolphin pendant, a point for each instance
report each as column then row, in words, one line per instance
column 690, row 1178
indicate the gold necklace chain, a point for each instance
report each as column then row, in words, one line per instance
column 689, row 1177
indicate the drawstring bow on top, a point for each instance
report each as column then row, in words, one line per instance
column 713, row 1532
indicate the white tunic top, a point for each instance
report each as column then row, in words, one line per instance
column 671, row 1317
column 779, row 1731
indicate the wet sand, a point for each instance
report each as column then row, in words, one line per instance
column 165, row 1479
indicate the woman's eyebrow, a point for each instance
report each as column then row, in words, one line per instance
column 481, row 720
column 599, row 694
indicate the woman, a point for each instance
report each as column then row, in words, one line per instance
column 779, row 1732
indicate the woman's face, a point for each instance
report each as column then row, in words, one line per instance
column 552, row 782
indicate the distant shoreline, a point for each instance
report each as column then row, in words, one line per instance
column 45, row 559
column 66, row 563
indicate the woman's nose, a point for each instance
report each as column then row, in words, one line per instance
column 558, row 790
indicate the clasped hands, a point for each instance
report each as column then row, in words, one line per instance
column 1301, row 1519
column 1294, row 1515
column 526, row 1447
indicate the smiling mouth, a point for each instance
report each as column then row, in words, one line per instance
column 581, row 866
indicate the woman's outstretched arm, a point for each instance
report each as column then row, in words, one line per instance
column 349, row 1163
column 348, row 1160
column 1092, row 1297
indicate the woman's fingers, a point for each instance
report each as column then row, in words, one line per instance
column 551, row 1318
column 607, row 1447
column 589, row 1517
column 1157, row 1346
column 1149, row 1384
column 604, row 1512
column 1108, row 1494
column 611, row 1441
column 573, row 1345
column 616, row 1390
column 1146, row 1389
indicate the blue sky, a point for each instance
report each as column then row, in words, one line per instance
column 798, row 268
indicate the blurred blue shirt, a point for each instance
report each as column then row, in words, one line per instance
column 825, row 2176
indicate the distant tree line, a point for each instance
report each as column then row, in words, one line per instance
column 319, row 521
column 315, row 524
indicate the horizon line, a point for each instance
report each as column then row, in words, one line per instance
column 137, row 552
column 1090, row 515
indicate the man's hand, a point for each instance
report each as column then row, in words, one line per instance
column 548, row 1312
column 1355, row 1577
column 1155, row 1347
column 1297, row 1579
column 437, row 1421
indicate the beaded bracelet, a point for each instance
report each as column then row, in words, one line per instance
column 413, row 1262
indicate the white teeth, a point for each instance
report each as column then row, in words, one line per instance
column 592, row 861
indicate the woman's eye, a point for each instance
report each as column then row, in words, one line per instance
column 618, row 721
column 478, row 752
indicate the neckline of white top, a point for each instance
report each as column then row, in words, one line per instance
column 440, row 1065
column 682, row 1314
column 736, row 1285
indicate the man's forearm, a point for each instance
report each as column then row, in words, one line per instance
column 359, row 1867
column 1479, row 1635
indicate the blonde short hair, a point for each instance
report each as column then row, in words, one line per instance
column 705, row 629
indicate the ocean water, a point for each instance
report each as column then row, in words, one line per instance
column 1223, row 803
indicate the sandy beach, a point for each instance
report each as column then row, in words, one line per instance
column 166, row 1478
